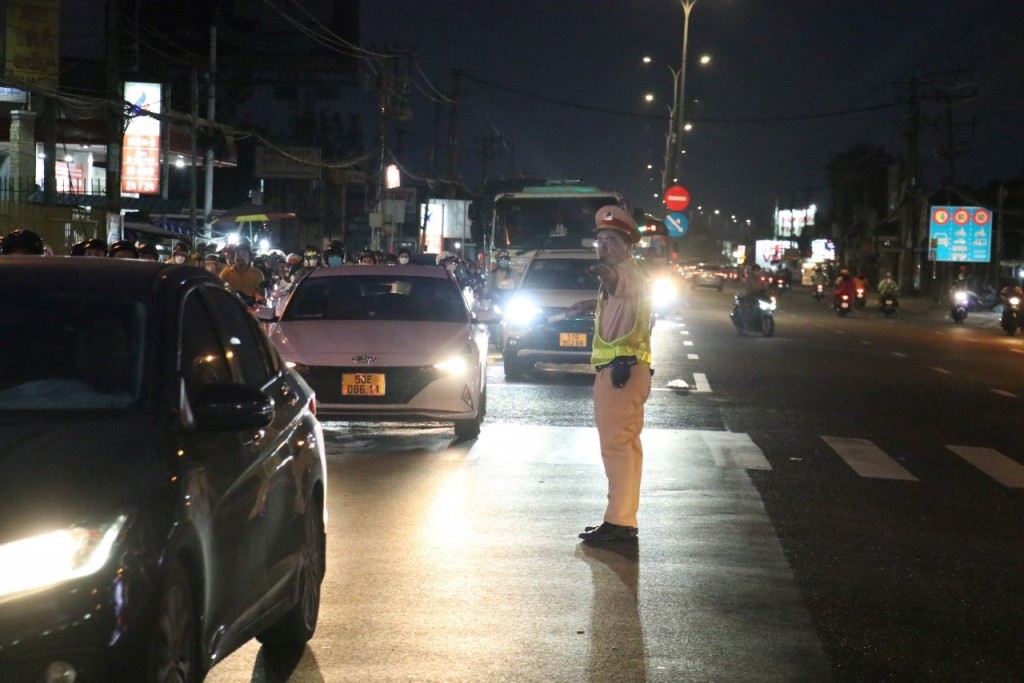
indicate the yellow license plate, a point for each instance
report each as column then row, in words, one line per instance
column 362, row 384
column 573, row 339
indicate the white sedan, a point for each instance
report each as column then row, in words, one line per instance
column 387, row 343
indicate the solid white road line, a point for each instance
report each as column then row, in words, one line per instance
column 867, row 459
column 731, row 449
column 943, row 371
column 1007, row 394
column 899, row 354
column 993, row 463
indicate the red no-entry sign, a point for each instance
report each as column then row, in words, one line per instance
column 677, row 198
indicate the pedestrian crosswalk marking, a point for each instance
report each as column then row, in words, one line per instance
column 867, row 459
column 731, row 449
column 1007, row 472
column 700, row 381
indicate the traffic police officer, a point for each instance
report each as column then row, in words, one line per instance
column 622, row 358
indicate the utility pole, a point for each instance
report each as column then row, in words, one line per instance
column 115, row 125
column 453, row 140
column 211, row 85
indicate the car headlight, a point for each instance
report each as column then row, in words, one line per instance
column 453, row 365
column 521, row 311
column 457, row 365
column 50, row 558
column 663, row 292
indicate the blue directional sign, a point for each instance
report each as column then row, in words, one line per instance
column 960, row 233
column 677, row 224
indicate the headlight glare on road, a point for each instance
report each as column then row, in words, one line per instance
column 663, row 292
column 521, row 311
column 49, row 558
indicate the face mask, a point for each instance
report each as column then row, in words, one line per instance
column 178, row 258
column 403, row 259
column 334, row 260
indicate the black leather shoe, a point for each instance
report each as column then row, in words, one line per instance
column 609, row 532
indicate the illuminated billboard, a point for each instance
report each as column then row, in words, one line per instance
column 769, row 253
column 960, row 233
column 140, row 160
column 791, row 222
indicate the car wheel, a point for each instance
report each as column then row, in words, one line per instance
column 513, row 368
column 470, row 429
column 298, row 624
column 173, row 653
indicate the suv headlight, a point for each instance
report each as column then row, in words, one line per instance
column 521, row 311
column 50, row 558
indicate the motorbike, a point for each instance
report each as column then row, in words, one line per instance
column 888, row 303
column 958, row 308
column 819, row 291
column 860, row 298
column 756, row 314
column 1011, row 319
column 843, row 304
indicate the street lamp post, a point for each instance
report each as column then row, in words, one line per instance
column 676, row 118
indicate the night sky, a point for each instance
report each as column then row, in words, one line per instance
column 791, row 84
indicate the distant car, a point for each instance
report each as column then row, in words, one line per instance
column 387, row 343
column 162, row 475
column 552, row 281
column 706, row 275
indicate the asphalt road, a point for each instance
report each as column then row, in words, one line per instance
column 839, row 502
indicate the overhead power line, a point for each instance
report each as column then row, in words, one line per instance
column 662, row 117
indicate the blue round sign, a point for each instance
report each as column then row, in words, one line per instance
column 677, row 224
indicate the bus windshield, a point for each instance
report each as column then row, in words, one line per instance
column 547, row 222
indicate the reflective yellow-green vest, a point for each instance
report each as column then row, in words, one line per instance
column 636, row 342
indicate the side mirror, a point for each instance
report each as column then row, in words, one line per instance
column 486, row 316
column 232, row 407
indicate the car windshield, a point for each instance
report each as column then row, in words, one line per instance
column 70, row 351
column 377, row 297
column 560, row 274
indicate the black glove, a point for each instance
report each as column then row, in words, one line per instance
column 620, row 370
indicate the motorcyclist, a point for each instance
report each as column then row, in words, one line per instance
column 308, row 262
column 844, row 285
column 123, row 249
column 96, row 247
column 242, row 277
column 403, row 256
column 22, row 243
column 334, row 254
column 1011, row 289
column 754, row 286
column 887, row 285
column 149, row 252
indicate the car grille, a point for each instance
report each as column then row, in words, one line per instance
column 401, row 383
column 545, row 336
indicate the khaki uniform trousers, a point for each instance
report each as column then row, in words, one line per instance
column 619, row 414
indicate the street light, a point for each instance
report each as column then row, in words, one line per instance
column 676, row 123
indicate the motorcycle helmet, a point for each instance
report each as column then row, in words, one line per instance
column 94, row 247
column 148, row 251
column 293, row 259
column 390, row 260
column 21, row 242
column 78, row 249
column 367, row 258
column 123, row 249
column 502, row 259
column 334, row 255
